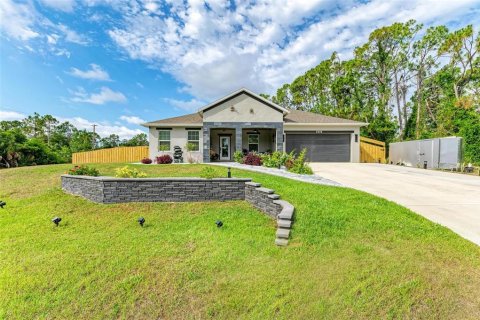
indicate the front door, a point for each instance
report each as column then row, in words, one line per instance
column 225, row 148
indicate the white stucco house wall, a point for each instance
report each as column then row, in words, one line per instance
column 247, row 122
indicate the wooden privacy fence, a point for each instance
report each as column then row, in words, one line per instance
column 372, row 150
column 120, row 154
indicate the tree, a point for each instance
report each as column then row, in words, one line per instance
column 10, row 142
column 462, row 48
column 34, row 126
column 8, row 125
column 424, row 60
column 137, row 140
column 34, row 151
column 111, row 141
column 81, row 140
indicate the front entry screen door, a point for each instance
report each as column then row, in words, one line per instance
column 224, row 148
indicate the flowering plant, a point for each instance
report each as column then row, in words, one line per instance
column 83, row 171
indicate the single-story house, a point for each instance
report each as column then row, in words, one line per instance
column 247, row 122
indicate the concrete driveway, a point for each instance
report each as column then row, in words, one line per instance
column 452, row 200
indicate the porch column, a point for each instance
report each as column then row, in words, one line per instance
column 238, row 138
column 279, row 131
column 206, row 143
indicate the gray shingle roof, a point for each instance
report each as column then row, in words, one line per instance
column 192, row 118
column 297, row 116
column 294, row 116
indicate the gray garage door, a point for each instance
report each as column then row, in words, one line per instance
column 321, row 147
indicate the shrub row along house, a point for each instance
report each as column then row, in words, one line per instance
column 246, row 121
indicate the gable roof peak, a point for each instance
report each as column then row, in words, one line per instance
column 247, row 92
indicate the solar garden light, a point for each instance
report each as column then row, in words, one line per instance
column 219, row 223
column 2, row 204
column 141, row 221
column 229, row 173
column 56, row 220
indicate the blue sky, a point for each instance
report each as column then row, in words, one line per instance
column 118, row 63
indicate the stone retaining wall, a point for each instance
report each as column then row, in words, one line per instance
column 119, row 190
column 267, row 201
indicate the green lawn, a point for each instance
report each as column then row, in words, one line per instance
column 352, row 255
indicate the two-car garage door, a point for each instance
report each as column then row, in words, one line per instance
column 321, row 147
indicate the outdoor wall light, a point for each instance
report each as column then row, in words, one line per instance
column 219, row 223
column 56, row 220
column 141, row 221
column 2, row 204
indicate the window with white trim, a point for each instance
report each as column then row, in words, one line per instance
column 193, row 139
column 164, row 140
column 253, row 140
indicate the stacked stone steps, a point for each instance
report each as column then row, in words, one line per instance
column 267, row 201
column 284, row 222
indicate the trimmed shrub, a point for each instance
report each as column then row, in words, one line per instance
column 126, row 172
column 146, row 161
column 253, row 159
column 276, row 159
column 165, row 159
column 238, row 156
column 209, row 173
column 83, row 171
column 299, row 166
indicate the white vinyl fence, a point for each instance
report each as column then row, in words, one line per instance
column 442, row 153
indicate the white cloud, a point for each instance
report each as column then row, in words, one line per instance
column 37, row 34
column 151, row 6
column 62, row 5
column 61, row 52
column 11, row 115
column 95, row 73
column 72, row 36
column 104, row 128
column 215, row 49
column 52, row 38
column 132, row 119
column 190, row 105
column 104, row 96
column 17, row 20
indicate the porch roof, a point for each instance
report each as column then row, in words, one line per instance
column 293, row 117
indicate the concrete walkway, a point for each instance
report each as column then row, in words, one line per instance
column 281, row 173
column 452, row 200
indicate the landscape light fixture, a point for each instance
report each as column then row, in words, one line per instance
column 2, row 204
column 219, row 223
column 141, row 221
column 229, row 173
column 56, row 220
column 425, row 164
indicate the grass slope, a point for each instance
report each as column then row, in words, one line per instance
column 352, row 255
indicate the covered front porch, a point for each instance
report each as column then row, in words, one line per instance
column 222, row 141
